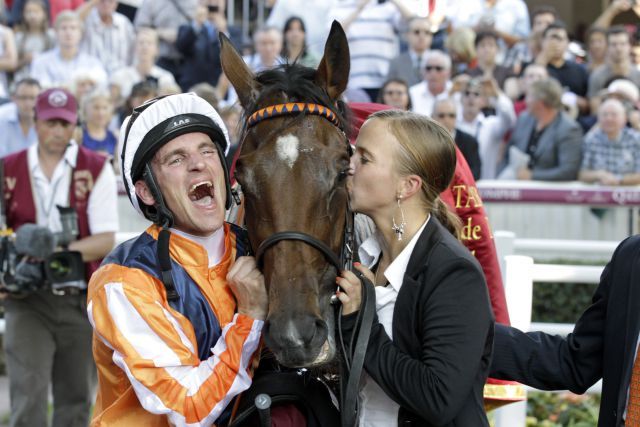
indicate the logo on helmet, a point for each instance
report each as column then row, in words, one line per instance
column 181, row 122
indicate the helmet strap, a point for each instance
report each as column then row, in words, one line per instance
column 163, row 215
column 165, row 264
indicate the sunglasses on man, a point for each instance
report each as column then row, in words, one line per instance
column 438, row 68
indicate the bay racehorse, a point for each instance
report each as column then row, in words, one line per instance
column 292, row 167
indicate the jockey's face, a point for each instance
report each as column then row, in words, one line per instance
column 189, row 173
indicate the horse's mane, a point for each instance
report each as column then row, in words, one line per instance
column 297, row 82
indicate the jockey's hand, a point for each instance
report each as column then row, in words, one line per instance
column 247, row 284
column 350, row 293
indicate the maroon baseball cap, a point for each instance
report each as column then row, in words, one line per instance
column 57, row 103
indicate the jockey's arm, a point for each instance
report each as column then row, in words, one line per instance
column 157, row 350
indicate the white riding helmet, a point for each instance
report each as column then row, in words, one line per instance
column 153, row 124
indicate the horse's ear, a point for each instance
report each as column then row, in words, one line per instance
column 237, row 72
column 333, row 71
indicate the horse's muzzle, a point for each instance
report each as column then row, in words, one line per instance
column 299, row 341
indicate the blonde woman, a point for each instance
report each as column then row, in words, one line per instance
column 97, row 113
column 430, row 346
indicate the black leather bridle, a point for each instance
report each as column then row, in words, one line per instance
column 353, row 355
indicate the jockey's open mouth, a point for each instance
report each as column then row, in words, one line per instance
column 202, row 193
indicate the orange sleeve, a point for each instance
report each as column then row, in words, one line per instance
column 156, row 348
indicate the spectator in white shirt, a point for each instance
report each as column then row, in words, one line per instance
column 108, row 35
column 146, row 52
column 487, row 114
column 436, row 84
column 372, row 28
column 57, row 66
column 267, row 43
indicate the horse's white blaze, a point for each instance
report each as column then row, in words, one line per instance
column 287, row 148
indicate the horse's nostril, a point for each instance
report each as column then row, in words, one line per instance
column 322, row 329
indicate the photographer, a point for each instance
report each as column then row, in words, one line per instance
column 48, row 336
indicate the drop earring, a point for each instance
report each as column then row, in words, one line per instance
column 399, row 228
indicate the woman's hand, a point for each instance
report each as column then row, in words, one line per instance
column 350, row 293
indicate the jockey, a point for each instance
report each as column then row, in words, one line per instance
column 178, row 311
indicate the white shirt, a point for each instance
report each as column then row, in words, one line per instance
column 112, row 44
column 422, row 100
column 507, row 16
column 126, row 77
column 50, row 69
column 255, row 63
column 49, row 193
column 490, row 131
column 373, row 40
column 376, row 408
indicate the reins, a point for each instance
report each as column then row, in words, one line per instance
column 354, row 354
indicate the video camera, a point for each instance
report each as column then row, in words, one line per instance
column 29, row 261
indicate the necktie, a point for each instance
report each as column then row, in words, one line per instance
column 633, row 408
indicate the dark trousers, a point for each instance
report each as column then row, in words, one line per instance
column 48, row 340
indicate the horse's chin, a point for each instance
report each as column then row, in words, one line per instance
column 294, row 359
column 326, row 355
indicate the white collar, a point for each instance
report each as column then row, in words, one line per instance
column 70, row 155
column 370, row 251
column 443, row 94
column 213, row 244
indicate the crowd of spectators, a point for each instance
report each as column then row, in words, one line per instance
column 524, row 96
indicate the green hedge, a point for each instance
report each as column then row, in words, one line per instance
column 562, row 410
column 562, row 302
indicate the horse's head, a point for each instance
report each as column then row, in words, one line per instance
column 292, row 168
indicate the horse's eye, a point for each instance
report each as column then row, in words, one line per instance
column 343, row 174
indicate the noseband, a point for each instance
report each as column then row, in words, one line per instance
column 353, row 356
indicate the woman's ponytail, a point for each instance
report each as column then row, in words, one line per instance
column 446, row 217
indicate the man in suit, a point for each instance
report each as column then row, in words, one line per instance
column 551, row 138
column 603, row 344
column 409, row 65
column 445, row 112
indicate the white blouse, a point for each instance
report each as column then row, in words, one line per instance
column 376, row 408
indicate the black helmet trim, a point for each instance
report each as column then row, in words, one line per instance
column 169, row 129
